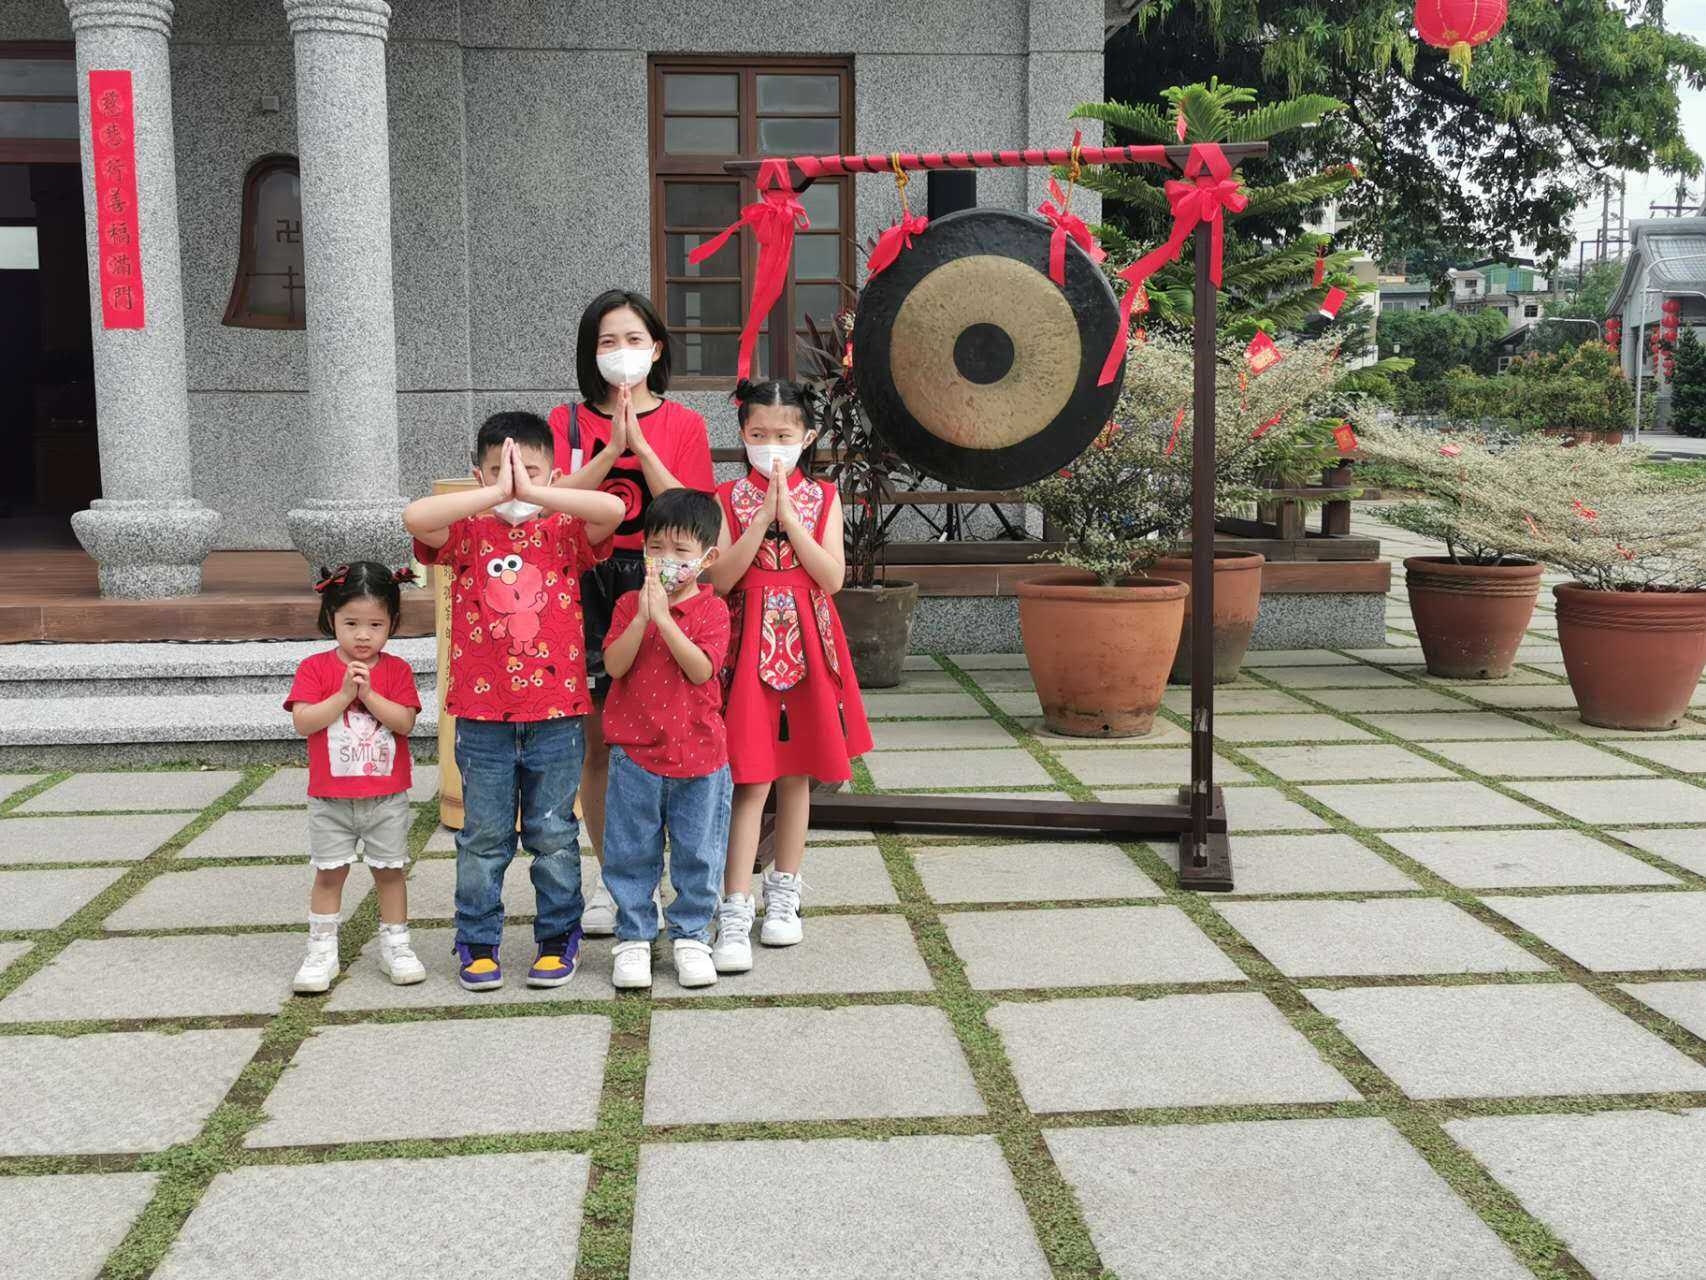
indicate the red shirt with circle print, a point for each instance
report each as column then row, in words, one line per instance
column 667, row 724
column 673, row 430
column 517, row 642
column 355, row 757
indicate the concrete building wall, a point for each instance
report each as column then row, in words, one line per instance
column 520, row 186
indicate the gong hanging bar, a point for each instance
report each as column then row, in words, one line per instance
column 802, row 170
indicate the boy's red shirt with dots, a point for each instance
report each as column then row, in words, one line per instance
column 355, row 757
column 517, row 640
column 667, row 724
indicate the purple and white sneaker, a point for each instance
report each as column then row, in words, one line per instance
column 557, row 961
column 478, row 968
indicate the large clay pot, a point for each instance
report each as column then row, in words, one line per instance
column 1100, row 655
column 1470, row 617
column 878, row 623
column 1237, row 599
column 1633, row 657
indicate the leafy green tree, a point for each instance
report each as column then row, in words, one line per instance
column 1571, row 90
column 1688, row 386
column 1441, row 340
column 1269, row 271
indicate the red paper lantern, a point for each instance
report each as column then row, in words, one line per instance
column 1614, row 332
column 1457, row 26
column 1672, row 306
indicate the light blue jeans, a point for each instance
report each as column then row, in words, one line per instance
column 640, row 809
column 534, row 766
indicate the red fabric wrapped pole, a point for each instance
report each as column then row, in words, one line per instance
column 1209, row 189
column 774, row 218
column 1067, row 225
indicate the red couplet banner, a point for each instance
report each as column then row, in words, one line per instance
column 112, row 134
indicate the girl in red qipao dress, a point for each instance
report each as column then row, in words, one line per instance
column 793, row 708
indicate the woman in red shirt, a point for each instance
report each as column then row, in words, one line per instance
column 625, row 439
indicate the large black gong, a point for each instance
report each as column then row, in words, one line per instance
column 976, row 367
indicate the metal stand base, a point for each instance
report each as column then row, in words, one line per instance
column 1215, row 875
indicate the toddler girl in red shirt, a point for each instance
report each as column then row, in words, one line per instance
column 356, row 705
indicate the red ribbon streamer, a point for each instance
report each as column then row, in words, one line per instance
column 774, row 218
column 1208, row 189
column 1173, row 440
column 1450, row 450
column 892, row 241
column 1267, row 426
column 1582, row 510
column 1067, row 225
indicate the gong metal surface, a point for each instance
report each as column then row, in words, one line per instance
column 975, row 366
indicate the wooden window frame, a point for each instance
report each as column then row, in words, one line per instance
column 236, row 316
column 41, row 150
column 780, row 350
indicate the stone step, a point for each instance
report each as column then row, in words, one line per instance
column 125, row 730
column 34, row 671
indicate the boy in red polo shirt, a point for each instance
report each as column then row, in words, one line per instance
column 669, row 762
column 516, row 547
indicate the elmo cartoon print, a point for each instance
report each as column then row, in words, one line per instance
column 515, row 590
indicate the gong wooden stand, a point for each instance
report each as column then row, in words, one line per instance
column 1199, row 817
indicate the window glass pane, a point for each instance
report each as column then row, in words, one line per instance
column 786, row 95
column 817, row 257
column 819, row 301
column 272, row 286
column 18, row 249
column 799, row 137
column 35, row 77
column 822, row 203
column 685, row 92
column 38, row 119
column 704, row 304
column 701, row 136
column 675, row 249
column 711, row 355
column 701, row 204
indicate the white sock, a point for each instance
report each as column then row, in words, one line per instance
column 393, row 930
column 320, row 926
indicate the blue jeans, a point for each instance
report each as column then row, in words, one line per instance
column 639, row 809
column 534, row 766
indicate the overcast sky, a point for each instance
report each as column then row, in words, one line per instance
column 1689, row 17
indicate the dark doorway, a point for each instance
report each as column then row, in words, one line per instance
column 49, row 458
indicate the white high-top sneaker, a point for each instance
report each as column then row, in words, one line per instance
column 598, row 918
column 733, row 952
column 319, row 966
column 781, row 909
column 397, row 959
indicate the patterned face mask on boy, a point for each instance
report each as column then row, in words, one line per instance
column 675, row 574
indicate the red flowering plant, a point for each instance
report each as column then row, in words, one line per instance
column 854, row 454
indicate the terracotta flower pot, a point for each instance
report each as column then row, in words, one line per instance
column 1470, row 617
column 878, row 623
column 1633, row 657
column 1237, row 598
column 1100, row 655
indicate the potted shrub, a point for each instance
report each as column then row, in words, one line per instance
column 876, row 612
column 1632, row 624
column 1579, row 395
column 1471, row 605
column 1100, row 634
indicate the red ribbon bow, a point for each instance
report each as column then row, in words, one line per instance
column 892, row 241
column 774, row 218
column 1208, row 189
column 1067, row 225
column 331, row 578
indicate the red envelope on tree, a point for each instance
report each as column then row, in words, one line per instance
column 1332, row 302
column 1344, row 437
column 1262, row 355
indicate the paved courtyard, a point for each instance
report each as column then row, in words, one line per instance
column 1452, row 1024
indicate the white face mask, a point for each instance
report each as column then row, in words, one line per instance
column 626, row 366
column 515, row 511
column 764, row 457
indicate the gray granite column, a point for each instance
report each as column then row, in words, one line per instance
column 353, row 510
column 147, row 531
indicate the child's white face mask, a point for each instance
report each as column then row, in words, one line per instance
column 675, row 574
column 764, row 457
column 626, row 366
column 515, row 511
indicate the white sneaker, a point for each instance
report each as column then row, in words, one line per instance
column 693, row 964
column 633, row 968
column 319, row 966
column 397, row 959
column 598, row 920
column 733, row 952
column 781, row 909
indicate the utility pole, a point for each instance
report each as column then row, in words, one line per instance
column 1604, row 216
